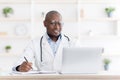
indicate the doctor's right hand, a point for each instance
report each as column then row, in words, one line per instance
column 25, row 66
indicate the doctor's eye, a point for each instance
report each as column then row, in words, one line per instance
column 56, row 23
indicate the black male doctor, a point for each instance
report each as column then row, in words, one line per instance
column 45, row 53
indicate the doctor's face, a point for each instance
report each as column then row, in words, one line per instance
column 54, row 25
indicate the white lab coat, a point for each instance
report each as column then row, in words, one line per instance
column 49, row 61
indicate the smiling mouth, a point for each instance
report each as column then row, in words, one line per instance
column 57, row 32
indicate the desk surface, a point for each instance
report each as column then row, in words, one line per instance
column 61, row 77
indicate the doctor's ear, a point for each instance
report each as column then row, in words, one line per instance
column 45, row 23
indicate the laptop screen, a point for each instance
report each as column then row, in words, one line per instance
column 82, row 60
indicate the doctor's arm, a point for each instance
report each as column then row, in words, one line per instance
column 25, row 62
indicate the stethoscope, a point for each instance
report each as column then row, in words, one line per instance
column 41, row 46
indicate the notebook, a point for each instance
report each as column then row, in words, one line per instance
column 85, row 60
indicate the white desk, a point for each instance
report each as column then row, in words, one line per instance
column 61, row 77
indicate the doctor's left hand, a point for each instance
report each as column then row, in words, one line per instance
column 25, row 66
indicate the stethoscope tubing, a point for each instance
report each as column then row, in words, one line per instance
column 41, row 46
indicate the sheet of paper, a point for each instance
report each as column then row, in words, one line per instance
column 35, row 72
column 29, row 72
column 47, row 72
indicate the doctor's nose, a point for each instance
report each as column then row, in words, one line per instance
column 57, row 26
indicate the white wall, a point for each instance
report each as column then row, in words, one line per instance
column 93, row 30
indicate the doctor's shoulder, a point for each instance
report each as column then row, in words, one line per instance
column 32, row 42
column 73, row 41
column 67, row 40
column 36, row 39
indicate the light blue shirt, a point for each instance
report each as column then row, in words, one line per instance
column 54, row 45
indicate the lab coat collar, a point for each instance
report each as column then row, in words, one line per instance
column 48, row 38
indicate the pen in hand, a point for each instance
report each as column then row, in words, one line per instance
column 27, row 61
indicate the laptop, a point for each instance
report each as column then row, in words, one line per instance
column 81, row 60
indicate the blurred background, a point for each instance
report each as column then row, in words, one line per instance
column 94, row 23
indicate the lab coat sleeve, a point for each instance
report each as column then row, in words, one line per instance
column 28, row 53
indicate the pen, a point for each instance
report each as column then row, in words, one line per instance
column 26, row 60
